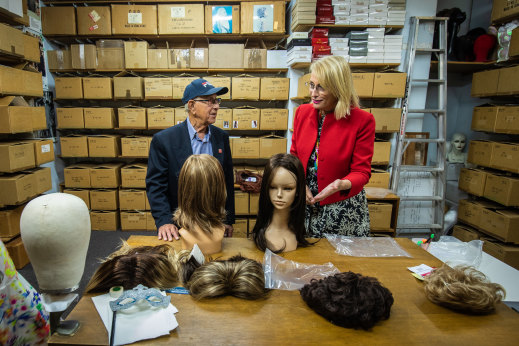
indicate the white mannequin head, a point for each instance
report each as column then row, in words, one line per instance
column 55, row 230
column 458, row 142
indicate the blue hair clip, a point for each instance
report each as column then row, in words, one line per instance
column 131, row 297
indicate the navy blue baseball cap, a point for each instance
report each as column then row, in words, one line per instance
column 201, row 87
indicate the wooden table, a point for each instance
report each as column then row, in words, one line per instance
column 284, row 319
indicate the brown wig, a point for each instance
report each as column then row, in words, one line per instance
column 349, row 300
column 151, row 266
column 464, row 289
column 296, row 221
column 238, row 276
column 201, row 194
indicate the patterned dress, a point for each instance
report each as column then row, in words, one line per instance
column 23, row 319
column 348, row 217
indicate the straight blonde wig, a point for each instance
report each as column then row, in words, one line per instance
column 334, row 75
column 201, row 194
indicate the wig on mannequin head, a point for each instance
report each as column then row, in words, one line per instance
column 238, row 276
column 464, row 289
column 349, row 300
column 201, row 194
column 151, row 266
column 297, row 210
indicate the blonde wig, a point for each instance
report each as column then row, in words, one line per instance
column 152, row 266
column 334, row 75
column 201, row 194
column 463, row 288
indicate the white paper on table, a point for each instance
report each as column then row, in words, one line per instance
column 140, row 322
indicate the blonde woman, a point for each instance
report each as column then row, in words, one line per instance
column 334, row 140
column 201, row 203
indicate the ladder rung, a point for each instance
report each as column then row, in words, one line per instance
column 420, row 198
column 411, row 168
column 439, row 111
column 423, row 140
column 428, row 80
column 430, row 50
column 421, row 226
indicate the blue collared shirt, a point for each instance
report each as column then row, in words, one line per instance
column 199, row 146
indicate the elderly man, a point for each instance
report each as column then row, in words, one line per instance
column 171, row 147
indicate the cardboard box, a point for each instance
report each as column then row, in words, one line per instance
column 134, row 19
column 43, row 151
column 387, row 119
column 157, row 59
column 501, row 224
column 484, row 83
column 128, row 86
column 302, row 87
column 222, row 19
column 484, row 118
column 70, row 118
column 246, row 118
column 507, row 84
column 271, row 145
column 274, row 88
column 78, row 175
column 179, row 58
column 133, row 221
column 379, row 178
column 381, row 153
column 505, row 156
column 240, row 228
column 507, row 119
column 136, row 54
column 226, row 55
column 59, row 59
column 502, row 189
column 10, row 222
column 17, row 253
column 68, row 87
column 132, row 117
column 241, row 202
column 94, row 20
column 224, row 118
column 470, row 212
column 43, row 179
column 134, row 175
column 199, row 54
column 150, row 222
column 58, row 20
column 508, row 254
column 245, row 148
column 28, row 83
column 380, row 215
column 480, row 152
column 181, row 115
column 104, row 199
column 181, row 19
column 389, row 85
column 74, row 146
column 255, row 55
column 158, row 88
column 38, row 117
column 84, row 194
column 83, row 56
column 245, row 87
column 160, row 117
column 472, row 181
column 110, row 54
column 363, row 84
column 104, row 220
column 99, row 118
column 135, row 146
column 465, row 233
column 254, row 203
column 274, row 119
column 11, row 40
column 513, row 49
column 504, row 9
column 31, row 48
column 133, row 199
column 219, row 81
column 97, row 88
column 17, row 188
column 250, row 23
column 106, row 176
column 179, row 84
column 13, row 117
column 252, row 223
column 104, row 146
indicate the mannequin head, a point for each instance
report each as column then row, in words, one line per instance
column 281, row 170
column 458, row 142
column 55, row 230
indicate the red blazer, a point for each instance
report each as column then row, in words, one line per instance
column 345, row 150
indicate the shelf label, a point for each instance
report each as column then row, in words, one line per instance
column 134, row 18
column 178, row 12
column 94, row 15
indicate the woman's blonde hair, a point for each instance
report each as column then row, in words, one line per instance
column 201, row 194
column 334, row 75
column 463, row 288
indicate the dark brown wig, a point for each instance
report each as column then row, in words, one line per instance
column 349, row 300
column 296, row 221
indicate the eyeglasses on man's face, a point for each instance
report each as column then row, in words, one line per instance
column 210, row 102
column 313, row 87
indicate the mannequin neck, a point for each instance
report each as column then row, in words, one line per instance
column 280, row 219
column 278, row 234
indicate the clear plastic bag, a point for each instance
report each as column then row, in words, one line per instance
column 366, row 246
column 454, row 252
column 283, row 274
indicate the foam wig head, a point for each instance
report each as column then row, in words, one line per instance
column 464, row 289
column 151, row 266
column 297, row 210
column 201, row 194
column 349, row 300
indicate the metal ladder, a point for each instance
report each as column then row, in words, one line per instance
column 436, row 173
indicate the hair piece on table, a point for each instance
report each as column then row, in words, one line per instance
column 238, row 276
column 187, row 265
column 464, row 289
column 151, row 266
column 349, row 300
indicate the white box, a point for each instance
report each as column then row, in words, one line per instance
column 358, row 59
column 376, row 55
column 344, row 40
column 358, row 17
column 296, row 49
column 276, row 58
column 378, row 7
column 344, row 15
column 343, row 54
column 393, row 37
column 376, row 22
column 391, row 61
column 379, row 41
column 354, row 11
column 395, row 22
column 390, row 50
column 342, row 22
column 392, row 55
column 371, row 2
column 341, row 18
column 345, row 8
column 374, row 60
column 360, row 2
column 340, row 48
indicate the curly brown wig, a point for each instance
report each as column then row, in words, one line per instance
column 349, row 300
